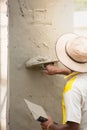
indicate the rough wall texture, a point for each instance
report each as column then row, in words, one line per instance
column 34, row 27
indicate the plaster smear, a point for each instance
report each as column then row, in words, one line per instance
column 39, row 60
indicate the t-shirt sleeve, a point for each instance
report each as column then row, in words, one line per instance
column 72, row 100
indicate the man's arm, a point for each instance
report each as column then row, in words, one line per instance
column 67, row 126
column 52, row 70
column 50, row 125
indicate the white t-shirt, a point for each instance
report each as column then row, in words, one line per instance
column 75, row 100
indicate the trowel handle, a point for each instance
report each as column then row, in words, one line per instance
column 42, row 119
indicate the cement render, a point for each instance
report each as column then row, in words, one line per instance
column 34, row 27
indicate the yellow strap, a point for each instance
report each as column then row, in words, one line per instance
column 72, row 74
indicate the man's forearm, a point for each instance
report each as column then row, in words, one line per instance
column 68, row 126
column 59, row 127
column 64, row 71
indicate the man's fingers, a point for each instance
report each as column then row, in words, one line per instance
column 45, row 71
column 43, row 127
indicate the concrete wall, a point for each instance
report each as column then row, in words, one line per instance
column 34, row 27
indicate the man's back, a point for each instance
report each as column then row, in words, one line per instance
column 76, row 100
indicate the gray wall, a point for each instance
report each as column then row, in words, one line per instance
column 34, row 27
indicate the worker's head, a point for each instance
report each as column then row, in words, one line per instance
column 71, row 50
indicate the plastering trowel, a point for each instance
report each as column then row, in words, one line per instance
column 39, row 61
column 37, row 111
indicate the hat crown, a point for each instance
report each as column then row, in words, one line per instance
column 71, row 51
column 77, row 49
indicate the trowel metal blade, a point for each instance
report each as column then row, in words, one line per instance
column 36, row 110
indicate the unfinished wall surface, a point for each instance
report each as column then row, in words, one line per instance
column 34, row 27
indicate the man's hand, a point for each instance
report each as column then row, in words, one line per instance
column 47, row 124
column 51, row 70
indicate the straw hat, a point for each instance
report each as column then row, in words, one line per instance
column 71, row 50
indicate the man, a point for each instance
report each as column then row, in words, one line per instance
column 71, row 50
